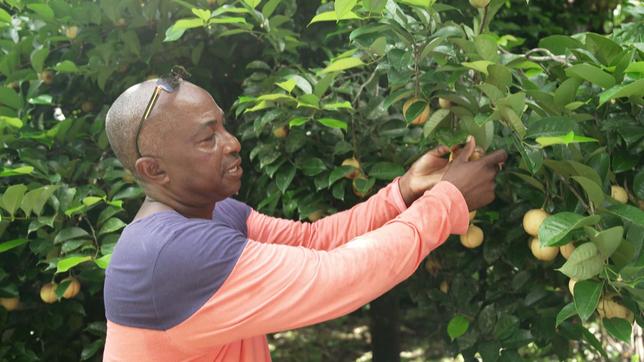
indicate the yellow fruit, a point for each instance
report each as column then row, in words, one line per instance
column 444, row 287
column 608, row 308
column 444, row 103
column 472, row 215
column 10, row 303
column 473, row 238
column 71, row 32
column 121, row 23
column 315, row 215
column 48, row 293
column 476, row 155
column 353, row 162
column 479, row 3
column 545, row 253
column 422, row 117
column 355, row 189
column 87, row 106
column 571, row 286
column 432, row 265
column 566, row 250
column 533, row 219
column 280, row 132
column 46, row 77
column 619, row 194
column 72, row 289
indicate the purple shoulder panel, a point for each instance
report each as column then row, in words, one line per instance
column 165, row 266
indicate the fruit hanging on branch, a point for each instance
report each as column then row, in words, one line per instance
column 48, row 293
column 473, row 238
column 566, row 250
column 619, row 193
column 423, row 116
column 10, row 304
column 72, row 289
column 533, row 219
column 352, row 162
column 543, row 253
column 479, row 3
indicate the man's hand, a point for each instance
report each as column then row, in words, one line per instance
column 475, row 179
column 426, row 172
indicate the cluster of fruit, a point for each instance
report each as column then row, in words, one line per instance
column 47, row 294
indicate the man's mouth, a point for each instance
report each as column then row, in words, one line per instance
column 236, row 169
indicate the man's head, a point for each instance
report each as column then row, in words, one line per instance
column 187, row 155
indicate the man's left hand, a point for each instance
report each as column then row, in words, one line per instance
column 426, row 172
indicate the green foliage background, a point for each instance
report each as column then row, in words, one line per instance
column 569, row 112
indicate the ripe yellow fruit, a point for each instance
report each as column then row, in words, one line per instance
column 120, row 23
column 608, row 308
column 71, row 32
column 473, row 238
column 444, row 287
column 280, row 132
column 46, row 76
column 10, row 304
column 72, row 289
column 571, row 286
column 315, row 215
column 48, row 293
column 479, row 3
column 353, row 162
column 545, row 253
column 432, row 265
column 566, row 250
column 533, row 219
column 87, row 106
column 619, row 194
column 472, row 215
column 422, row 117
column 444, row 103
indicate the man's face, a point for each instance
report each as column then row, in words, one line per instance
column 199, row 156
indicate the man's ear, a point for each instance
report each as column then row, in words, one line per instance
column 150, row 171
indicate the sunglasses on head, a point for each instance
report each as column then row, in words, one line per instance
column 168, row 83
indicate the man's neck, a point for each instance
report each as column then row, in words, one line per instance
column 152, row 206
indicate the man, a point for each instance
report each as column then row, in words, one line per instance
column 198, row 276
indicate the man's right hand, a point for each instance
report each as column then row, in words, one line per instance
column 475, row 179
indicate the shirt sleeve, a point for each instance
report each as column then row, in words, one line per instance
column 277, row 287
column 331, row 231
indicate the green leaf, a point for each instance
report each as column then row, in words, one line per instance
column 635, row 88
column 638, row 184
column 8, row 245
column 333, row 123
column 91, row 200
column 22, row 170
column 12, row 198
column 202, row 14
column 565, row 313
column 180, row 26
column 342, row 7
column 607, row 241
column 64, row 265
column 103, row 261
column 434, row 120
column 592, row 340
column 566, row 92
column 337, row 106
column 457, row 326
column 486, row 47
column 90, row 349
column 593, row 190
column 287, row 85
column 38, row 57
column 275, row 97
column 252, row 3
column 10, row 98
column 297, row 121
column 111, row 225
column 342, row 64
column 569, row 138
column 66, row 66
column 586, row 296
column 584, row 263
column 4, row 16
column 284, row 177
column 513, row 120
column 310, row 166
column 69, row 233
column 499, row 75
column 559, row 44
column 619, row 328
column 332, row 16
column 43, row 10
column 592, row 74
column 554, row 228
column 636, row 67
column 15, row 123
column 386, row 170
column 35, row 200
column 43, row 99
column 628, row 213
column 479, row 65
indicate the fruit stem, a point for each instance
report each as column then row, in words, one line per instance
column 483, row 19
column 581, row 199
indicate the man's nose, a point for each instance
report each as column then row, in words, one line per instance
column 232, row 144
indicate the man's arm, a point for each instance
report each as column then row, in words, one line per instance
column 331, row 231
column 276, row 287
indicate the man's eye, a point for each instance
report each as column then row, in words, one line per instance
column 209, row 138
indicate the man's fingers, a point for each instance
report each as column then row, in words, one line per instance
column 467, row 150
column 495, row 158
column 439, row 151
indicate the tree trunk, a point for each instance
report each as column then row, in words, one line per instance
column 385, row 328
